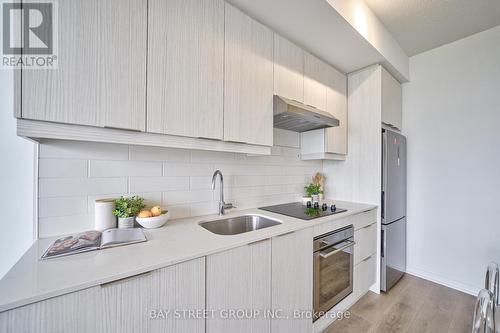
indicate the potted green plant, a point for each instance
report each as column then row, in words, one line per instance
column 313, row 191
column 127, row 209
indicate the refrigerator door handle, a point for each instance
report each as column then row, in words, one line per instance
column 382, row 203
column 382, row 243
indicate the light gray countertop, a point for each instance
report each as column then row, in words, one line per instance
column 32, row 280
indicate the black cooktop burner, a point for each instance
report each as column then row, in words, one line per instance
column 300, row 211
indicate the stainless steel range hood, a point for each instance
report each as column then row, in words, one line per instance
column 298, row 117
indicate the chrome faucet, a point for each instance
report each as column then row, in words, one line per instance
column 222, row 205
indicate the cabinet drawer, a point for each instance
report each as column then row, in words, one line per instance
column 366, row 242
column 363, row 219
column 364, row 275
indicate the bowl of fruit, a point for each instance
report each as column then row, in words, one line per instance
column 153, row 218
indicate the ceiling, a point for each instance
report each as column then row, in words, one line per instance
column 317, row 27
column 421, row 25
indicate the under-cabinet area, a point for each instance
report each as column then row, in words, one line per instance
column 265, row 284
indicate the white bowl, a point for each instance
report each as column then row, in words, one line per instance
column 153, row 222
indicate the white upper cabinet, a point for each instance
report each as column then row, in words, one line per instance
column 336, row 104
column 391, row 101
column 248, row 80
column 101, row 75
column 315, row 81
column 186, row 68
column 329, row 143
column 288, row 69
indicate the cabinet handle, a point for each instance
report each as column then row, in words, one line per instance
column 123, row 129
column 367, row 258
column 259, row 241
column 234, row 141
column 368, row 226
column 287, row 233
column 211, row 139
column 108, row 284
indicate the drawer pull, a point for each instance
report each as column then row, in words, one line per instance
column 108, row 284
column 123, row 129
column 287, row 233
column 259, row 241
column 368, row 258
column 368, row 226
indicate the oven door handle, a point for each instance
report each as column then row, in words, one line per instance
column 322, row 254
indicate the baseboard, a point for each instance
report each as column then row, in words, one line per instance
column 436, row 278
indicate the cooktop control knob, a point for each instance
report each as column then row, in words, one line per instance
column 316, row 205
column 308, row 204
column 333, row 208
column 324, row 206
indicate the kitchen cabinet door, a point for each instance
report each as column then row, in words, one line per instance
column 248, row 77
column 134, row 304
column 315, row 81
column 77, row 312
column 101, row 75
column 392, row 106
column 288, row 69
column 336, row 104
column 292, row 280
column 364, row 276
column 124, row 304
column 239, row 279
column 178, row 288
column 186, row 68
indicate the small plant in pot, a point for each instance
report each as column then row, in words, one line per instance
column 313, row 191
column 127, row 209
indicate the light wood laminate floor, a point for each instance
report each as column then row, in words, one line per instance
column 413, row 305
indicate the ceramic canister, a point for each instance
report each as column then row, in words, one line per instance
column 104, row 218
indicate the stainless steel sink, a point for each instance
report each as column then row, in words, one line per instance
column 239, row 224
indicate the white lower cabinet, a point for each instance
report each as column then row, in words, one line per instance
column 366, row 242
column 292, row 281
column 76, row 312
column 128, row 305
column 239, row 289
column 364, row 276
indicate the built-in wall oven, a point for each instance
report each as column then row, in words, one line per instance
column 333, row 269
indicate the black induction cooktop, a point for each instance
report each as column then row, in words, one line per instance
column 300, row 211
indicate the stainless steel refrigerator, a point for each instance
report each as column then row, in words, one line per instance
column 393, row 261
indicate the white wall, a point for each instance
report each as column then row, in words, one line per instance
column 451, row 116
column 16, row 182
column 73, row 174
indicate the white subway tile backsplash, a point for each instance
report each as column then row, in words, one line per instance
column 179, row 211
column 74, row 174
column 203, row 156
column 60, row 187
column 204, row 208
column 61, row 168
column 187, row 169
column 101, row 168
column 62, row 206
column 286, row 138
column 55, row 226
column 83, row 150
column 145, row 153
column 153, row 184
column 185, row 197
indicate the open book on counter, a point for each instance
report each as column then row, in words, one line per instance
column 93, row 240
